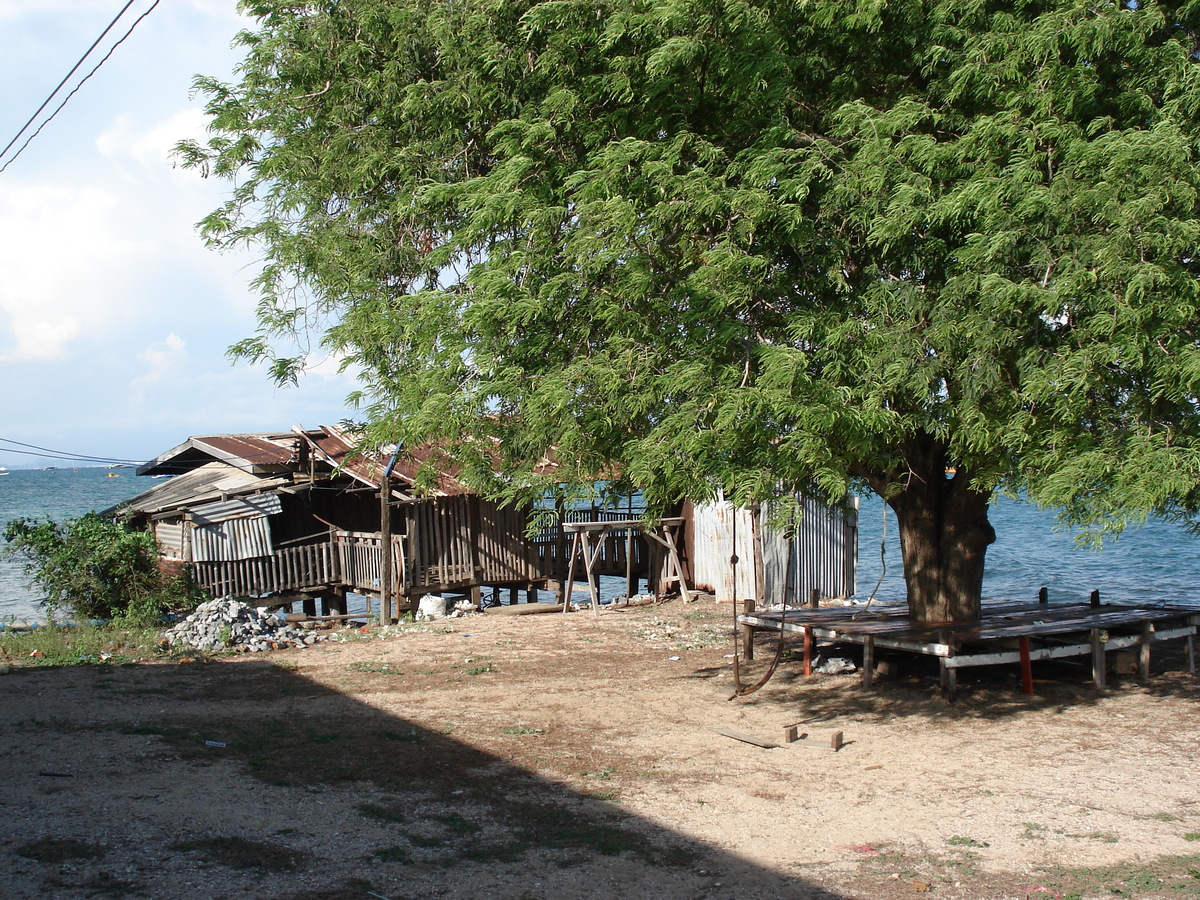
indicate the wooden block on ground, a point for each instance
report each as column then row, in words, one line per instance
column 793, row 737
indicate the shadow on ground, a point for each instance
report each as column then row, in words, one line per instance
column 245, row 779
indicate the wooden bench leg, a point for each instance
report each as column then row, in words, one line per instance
column 868, row 675
column 1099, row 663
column 1144, row 651
column 1026, row 668
column 748, row 632
column 949, row 678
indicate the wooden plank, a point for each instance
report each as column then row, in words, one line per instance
column 745, row 738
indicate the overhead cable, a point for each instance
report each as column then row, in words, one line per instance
column 62, row 454
column 94, row 70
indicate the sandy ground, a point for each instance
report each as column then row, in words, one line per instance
column 550, row 756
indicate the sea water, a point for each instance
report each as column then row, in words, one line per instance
column 57, row 494
column 1155, row 562
column 1150, row 563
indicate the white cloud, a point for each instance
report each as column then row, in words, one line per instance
column 162, row 359
column 61, row 260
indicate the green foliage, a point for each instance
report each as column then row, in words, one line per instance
column 95, row 568
column 742, row 244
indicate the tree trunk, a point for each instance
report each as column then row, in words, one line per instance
column 944, row 535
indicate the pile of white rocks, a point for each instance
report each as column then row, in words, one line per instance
column 228, row 624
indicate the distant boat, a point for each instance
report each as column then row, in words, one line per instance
column 3, row 471
column 114, row 475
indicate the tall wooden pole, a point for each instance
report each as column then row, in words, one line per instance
column 385, row 541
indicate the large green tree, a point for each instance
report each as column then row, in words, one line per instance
column 936, row 247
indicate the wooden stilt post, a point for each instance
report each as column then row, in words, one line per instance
column 1043, row 596
column 1094, row 599
column 385, row 547
column 562, row 595
column 630, row 578
column 868, row 673
column 808, row 649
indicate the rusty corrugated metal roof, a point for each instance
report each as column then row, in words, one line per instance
column 340, row 449
column 263, row 454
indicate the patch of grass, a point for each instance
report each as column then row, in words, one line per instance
column 1174, row 877
column 78, row 645
column 1102, row 836
column 240, row 853
column 960, row 841
column 374, row 668
column 60, row 850
column 522, row 729
column 485, row 669
column 458, row 824
column 398, row 855
column 383, row 813
column 1192, row 836
column 1033, row 830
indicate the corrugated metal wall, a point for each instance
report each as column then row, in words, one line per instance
column 821, row 554
column 169, row 535
column 231, row 540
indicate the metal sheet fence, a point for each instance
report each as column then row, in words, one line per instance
column 819, row 554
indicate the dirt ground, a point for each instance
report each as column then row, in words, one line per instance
column 552, row 757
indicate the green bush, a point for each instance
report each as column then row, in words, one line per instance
column 96, row 568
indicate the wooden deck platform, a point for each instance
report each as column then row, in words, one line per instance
column 1008, row 633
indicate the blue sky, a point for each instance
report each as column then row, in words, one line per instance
column 114, row 317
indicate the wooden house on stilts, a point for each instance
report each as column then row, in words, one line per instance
column 302, row 516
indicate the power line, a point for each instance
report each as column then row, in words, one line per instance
column 63, row 454
column 46, row 102
column 95, row 69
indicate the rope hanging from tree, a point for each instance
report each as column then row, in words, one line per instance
column 738, row 689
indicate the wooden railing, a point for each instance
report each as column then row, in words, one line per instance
column 360, row 560
column 303, row 568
